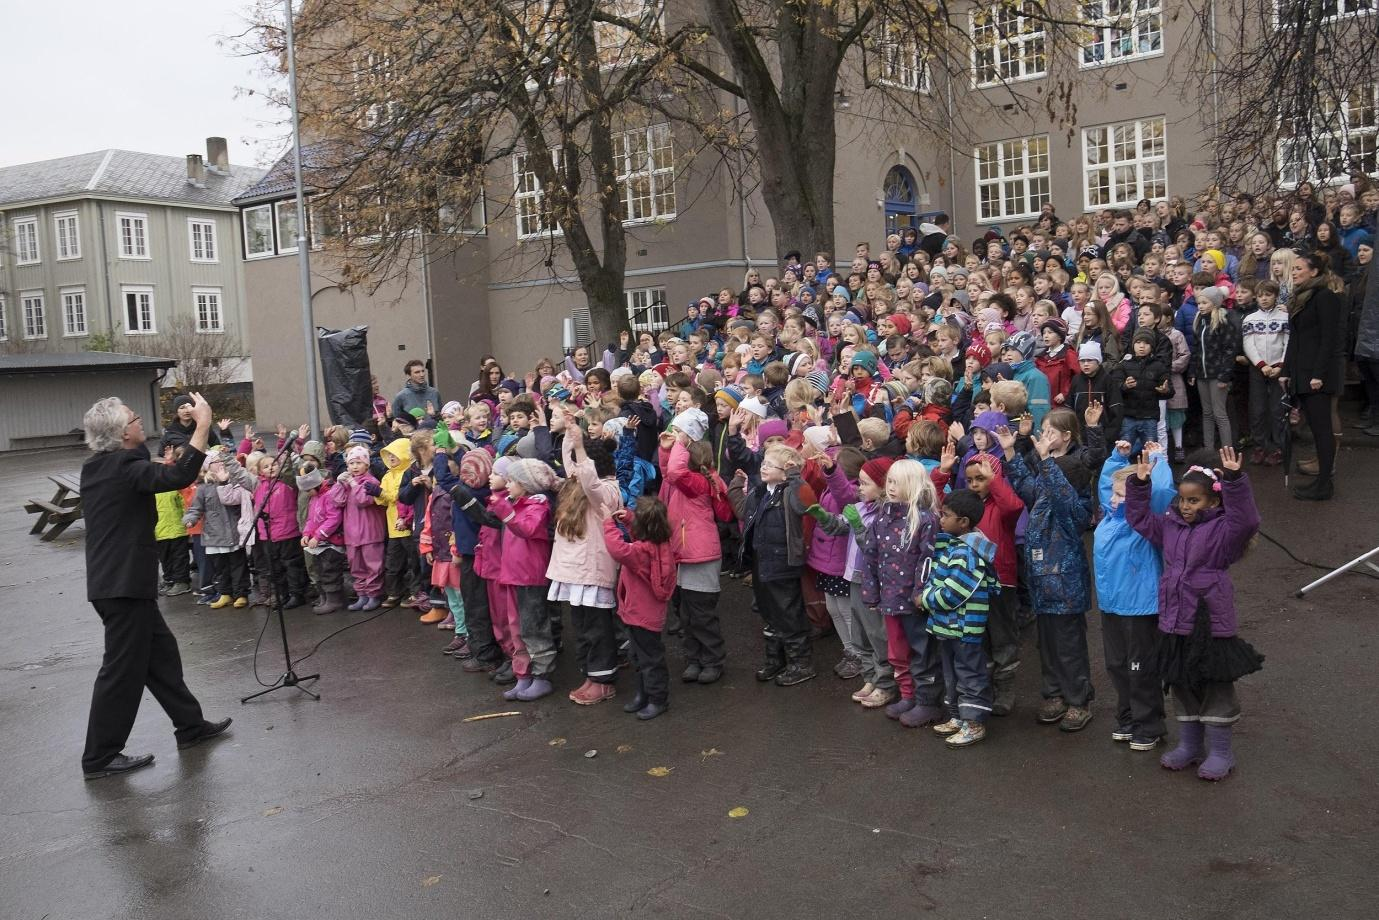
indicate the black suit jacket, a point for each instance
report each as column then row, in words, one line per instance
column 117, row 489
column 1316, row 343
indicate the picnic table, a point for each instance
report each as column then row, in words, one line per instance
column 58, row 513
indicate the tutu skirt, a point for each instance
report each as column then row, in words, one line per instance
column 1201, row 658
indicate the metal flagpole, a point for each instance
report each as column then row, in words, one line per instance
column 303, row 249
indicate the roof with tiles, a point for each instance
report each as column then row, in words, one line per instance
column 121, row 174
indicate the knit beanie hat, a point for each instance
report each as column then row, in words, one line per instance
column 865, row 360
column 979, row 351
column 896, row 390
column 525, row 447
column 877, row 468
column 360, row 436
column 800, row 362
column 1022, row 342
column 988, row 315
column 1216, row 256
column 314, row 449
column 901, row 322
column 533, row 476
column 840, row 290
column 819, row 381
column 821, row 436
column 772, row 428
column 755, row 406
column 503, row 465
column 693, row 422
column 1089, row 351
column 1143, row 335
column 357, row 452
column 1059, row 328
column 731, row 395
column 475, row 467
column 1217, row 295
column 417, row 413
column 180, row 401
column 451, row 408
column 309, row 481
column 650, row 380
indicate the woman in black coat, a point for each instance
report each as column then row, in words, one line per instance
column 1313, row 365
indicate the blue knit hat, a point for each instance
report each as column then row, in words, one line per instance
column 818, row 380
column 730, row 394
column 865, row 360
column 360, row 436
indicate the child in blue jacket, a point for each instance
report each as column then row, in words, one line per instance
column 1127, row 570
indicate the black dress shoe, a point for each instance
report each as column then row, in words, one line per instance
column 120, row 764
column 208, row 731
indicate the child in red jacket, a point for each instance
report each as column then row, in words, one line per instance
column 1003, row 508
column 645, row 584
column 525, row 513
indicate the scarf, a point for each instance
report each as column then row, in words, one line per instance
column 1303, row 293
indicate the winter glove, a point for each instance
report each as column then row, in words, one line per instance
column 372, row 489
column 443, row 439
column 461, row 495
column 817, row 513
column 854, row 519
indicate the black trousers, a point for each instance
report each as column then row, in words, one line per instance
column 400, row 562
column 330, row 572
column 285, row 558
column 140, row 651
column 1132, row 661
column 1002, row 637
column 478, row 619
column 1316, row 410
column 231, row 573
column 1063, row 660
column 596, row 651
column 174, row 560
column 649, row 654
column 703, row 634
column 787, row 626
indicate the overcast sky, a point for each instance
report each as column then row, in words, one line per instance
column 145, row 75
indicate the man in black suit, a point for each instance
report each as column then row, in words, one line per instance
column 118, row 483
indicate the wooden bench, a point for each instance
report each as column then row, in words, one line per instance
column 58, row 513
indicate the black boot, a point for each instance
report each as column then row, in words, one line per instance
column 774, row 662
column 1318, row 490
column 638, row 699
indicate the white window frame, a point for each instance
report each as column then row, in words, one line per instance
column 272, row 232
column 139, row 289
column 1138, row 162
column 1111, row 30
column 209, row 244
column 641, row 166
column 33, row 314
column 903, row 65
column 25, row 230
column 4, row 321
column 137, row 246
column 1359, row 8
column 71, row 297
column 284, row 209
column 1020, row 49
column 639, row 299
column 1345, row 133
column 67, row 239
column 219, row 300
column 533, row 194
column 1001, row 181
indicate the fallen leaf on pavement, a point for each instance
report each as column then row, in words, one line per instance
column 659, row 771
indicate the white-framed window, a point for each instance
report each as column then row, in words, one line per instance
column 133, row 234
column 1125, row 162
column 4, row 321
column 1295, row 13
column 373, row 88
column 1341, row 138
column 617, row 46
column 138, row 310
column 647, row 310
column 902, row 65
column 67, row 236
column 26, row 251
column 35, row 317
column 73, row 311
column 201, row 239
column 258, row 231
column 1121, row 30
column 206, row 307
column 645, row 160
column 1012, row 177
column 534, row 216
column 285, row 222
column 1006, row 45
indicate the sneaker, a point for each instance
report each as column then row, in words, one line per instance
column 690, row 674
column 457, row 644
column 1257, row 457
column 163, row 588
column 241, row 603
column 221, row 602
column 1075, row 719
column 473, row 665
column 180, row 587
column 865, row 692
column 769, row 671
column 390, row 602
column 591, row 694
column 795, row 674
column 951, row 727
column 1052, row 711
column 1123, row 733
column 900, row 707
column 447, row 623
column 877, row 698
column 850, row 668
column 1144, row 742
column 969, row 733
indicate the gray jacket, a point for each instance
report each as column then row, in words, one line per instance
column 221, row 529
column 412, row 397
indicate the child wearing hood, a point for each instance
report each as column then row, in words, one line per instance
column 274, row 495
column 646, row 581
column 524, row 510
column 365, row 524
column 1058, row 363
column 323, row 539
column 399, row 562
column 1018, row 352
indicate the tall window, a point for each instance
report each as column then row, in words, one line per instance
column 645, row 161
column 258, row 231
column 206, row 304
column 201, row 233
column 647, row 310
column 73, row 311
column 285, row 213
column 1012, row 178
column 373, row 88
column 25, row 240
column 133, row 231
column 138, row 310
column 902, row 204
column 66, row 235
column 534, row 215
column 901, row 63
column 1125, row 162
column 1121, row 30
column 4, row 321
column 618, row 46
column 35, row 319
column 1340, row 138
column 1007, row 45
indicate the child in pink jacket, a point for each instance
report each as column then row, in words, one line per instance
column 525, row 513
column 690, row 487
column 280, row 536
column 366, row 525
column 323, row 538
column 645, row 584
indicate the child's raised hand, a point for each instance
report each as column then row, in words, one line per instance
column 736, row 419
column 621, row 515
column 948, row 457
column 1043, row 444
column 225, row 423
column 1123, row 448
column 1092, row 414
column 1142, row 467
column 956, row 432
column 1005, row 437
column 1026, row 425
column 1230, row 460
column 281, row 431
column 1151, row 448
column 303, row 430
column 248, row 432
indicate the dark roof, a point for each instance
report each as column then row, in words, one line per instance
column 279, row 181
column 77, row 362
column 123, row 174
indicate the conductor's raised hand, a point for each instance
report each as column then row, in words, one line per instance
column 201, row 412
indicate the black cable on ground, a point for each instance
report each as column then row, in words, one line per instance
column 1314, row 565
column 328, row 637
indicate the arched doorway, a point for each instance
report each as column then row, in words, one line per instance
column 902, row 200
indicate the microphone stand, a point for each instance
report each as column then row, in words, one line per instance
column 276, row 581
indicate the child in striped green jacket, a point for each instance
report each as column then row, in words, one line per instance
column 957, row 598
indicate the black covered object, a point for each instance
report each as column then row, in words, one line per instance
column 345, row 373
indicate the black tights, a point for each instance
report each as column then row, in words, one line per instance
column 1316, row 409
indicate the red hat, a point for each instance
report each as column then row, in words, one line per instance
column 979, row 351
column 877, row 468
column 901, row 323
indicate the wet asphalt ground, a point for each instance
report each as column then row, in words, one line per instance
column 380, row 801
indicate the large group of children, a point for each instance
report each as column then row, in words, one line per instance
column 909, row 453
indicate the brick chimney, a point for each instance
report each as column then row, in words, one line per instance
column 218, row 154
column 196, row 170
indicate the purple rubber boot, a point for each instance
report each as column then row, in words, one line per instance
column 538, row 688
column 522, row 684
column 923, row 715
column 900, row 707
column 1220, row 761
column 1189, row 749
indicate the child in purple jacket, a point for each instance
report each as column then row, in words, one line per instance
column 1206, row 531
column 323, row 538
column 365, row 527
column 275, row 495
